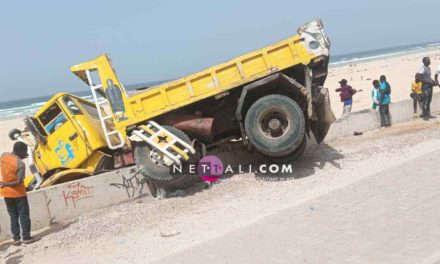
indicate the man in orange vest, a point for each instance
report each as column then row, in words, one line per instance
column 14, row 192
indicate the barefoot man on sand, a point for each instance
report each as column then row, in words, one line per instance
column 14, row 192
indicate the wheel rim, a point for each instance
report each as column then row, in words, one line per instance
column 273, row 123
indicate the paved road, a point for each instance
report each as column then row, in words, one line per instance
column 391, row 217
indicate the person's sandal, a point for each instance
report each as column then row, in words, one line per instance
column 16, row 242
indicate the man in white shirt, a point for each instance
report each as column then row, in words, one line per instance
column 427, row 86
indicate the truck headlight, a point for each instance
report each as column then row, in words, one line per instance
column 314, row 45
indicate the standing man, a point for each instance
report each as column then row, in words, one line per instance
column 346, row 94
column 383, row 80
column 14, row 192
column 427, row 85
column 384, row 102
column 375, row 94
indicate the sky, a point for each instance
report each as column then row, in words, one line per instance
column 158, row 40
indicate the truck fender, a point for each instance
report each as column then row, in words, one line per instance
column 281, row 80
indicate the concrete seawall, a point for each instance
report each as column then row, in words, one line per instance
column 69, row 200
column 369, row 119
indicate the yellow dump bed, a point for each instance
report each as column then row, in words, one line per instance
column 217, row 79
column 220, row 78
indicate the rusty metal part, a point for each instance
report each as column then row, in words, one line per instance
column 195, row 126
column 123, row 159
column 200, row 147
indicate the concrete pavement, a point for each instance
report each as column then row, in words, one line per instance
column 391, row 217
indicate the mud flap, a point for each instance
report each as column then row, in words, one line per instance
column 323, row 116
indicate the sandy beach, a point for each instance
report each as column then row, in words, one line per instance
column 5, row 126
column 399, row 70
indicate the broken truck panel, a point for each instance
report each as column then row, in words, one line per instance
column 323, row 116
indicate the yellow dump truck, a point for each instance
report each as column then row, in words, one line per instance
column 270, row 99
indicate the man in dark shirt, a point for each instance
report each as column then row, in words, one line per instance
column 346, row 94
column 427, row 86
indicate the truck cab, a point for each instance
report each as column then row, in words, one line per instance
column 69, row 142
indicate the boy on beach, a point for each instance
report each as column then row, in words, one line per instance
column 14, row 192
column 416, row 93
column 346, row 94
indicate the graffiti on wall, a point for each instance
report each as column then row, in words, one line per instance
column 75, row 192
column 133, row 184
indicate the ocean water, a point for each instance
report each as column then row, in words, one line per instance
column 26, row 107
column 351, row 58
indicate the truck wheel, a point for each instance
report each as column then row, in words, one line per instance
column 292, row 156
column 150, row 161
column 275, row 125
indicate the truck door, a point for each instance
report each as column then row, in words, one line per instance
column 65, row 147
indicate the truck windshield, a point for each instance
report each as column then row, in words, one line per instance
column 72, row 106
column 35, row 128
column 52, row 119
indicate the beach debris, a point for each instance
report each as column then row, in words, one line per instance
column 357, row 133
column 163, row 234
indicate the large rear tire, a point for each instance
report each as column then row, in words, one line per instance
column 275, row 126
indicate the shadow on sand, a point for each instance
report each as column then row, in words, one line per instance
column 314, row 158
column 236, row 156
